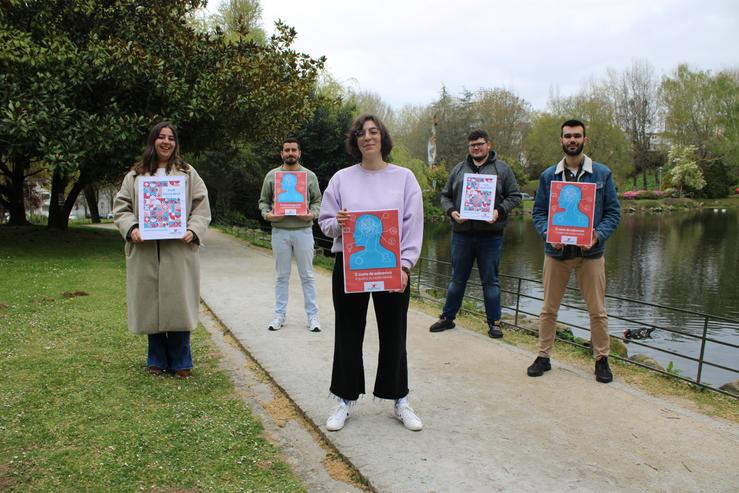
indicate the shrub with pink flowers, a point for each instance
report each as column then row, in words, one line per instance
column 646, row 194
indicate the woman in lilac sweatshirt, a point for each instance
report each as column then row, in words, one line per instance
column 372, row 184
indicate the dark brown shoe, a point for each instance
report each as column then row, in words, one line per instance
column 183, row 373
column 155, row 370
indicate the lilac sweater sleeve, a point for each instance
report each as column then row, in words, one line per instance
column 412, row 239
column 330, row 205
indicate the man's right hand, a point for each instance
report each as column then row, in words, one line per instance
column 459, row 219
column 273, row 218
column 557, row 246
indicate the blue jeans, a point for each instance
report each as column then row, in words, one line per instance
column 465, row 249
column 286, row 244
column 170, row 351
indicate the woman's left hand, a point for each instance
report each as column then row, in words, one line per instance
column 403, row 283
column 188, row 237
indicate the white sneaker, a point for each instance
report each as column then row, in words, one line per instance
column 336, row 421
column 405, row 413
column 314, row 325
column 277, row 323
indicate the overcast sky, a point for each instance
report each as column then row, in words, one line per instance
column 405, row 50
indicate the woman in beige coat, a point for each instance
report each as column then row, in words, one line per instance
column 163, row 276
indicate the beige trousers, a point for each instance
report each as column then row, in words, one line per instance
column 591, row 279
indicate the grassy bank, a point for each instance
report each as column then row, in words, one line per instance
column 78, row 412
column 666, row 205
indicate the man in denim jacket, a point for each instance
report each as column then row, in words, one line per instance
column 588, row 263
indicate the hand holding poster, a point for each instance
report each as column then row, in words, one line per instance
column 291, row 193
column 478, row 196
column 571, row 209
column 162, row 207
column 372, row 251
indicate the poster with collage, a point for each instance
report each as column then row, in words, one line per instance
column 478, row 196
column 162, row 207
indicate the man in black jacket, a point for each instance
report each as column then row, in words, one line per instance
column 475, row 239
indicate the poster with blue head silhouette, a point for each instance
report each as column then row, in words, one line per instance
column 571, row 208
column 162, row 203
column 291, row 193
column 371, row 242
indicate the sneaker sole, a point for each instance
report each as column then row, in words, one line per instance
column 604, row 380
column 538, row 374
column 330, row 428
column 442, row 330
column 315, row 329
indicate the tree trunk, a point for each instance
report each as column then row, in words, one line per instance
column 58, row 214
column 14, row 192
column 91, row 196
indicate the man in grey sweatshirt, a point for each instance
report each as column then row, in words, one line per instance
column 477, row 239
column 292, row 236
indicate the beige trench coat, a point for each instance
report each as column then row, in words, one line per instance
column 163, row 276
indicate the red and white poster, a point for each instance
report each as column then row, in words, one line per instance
column 372, row 251
column 571, row 208
column 291, row 193
column 478, row 196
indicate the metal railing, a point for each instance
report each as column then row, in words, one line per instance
column 428, row 277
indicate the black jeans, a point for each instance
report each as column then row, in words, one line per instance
column 391, row 312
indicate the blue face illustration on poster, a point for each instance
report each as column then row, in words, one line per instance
column 569, row 199
column 289, row 194
column 367, row 233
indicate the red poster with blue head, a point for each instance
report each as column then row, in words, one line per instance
column 571, row 209
column 371, row 241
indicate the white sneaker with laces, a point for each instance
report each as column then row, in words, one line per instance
column 277, row 323
column 405, row 413
column 336, row 420
column 314, row 325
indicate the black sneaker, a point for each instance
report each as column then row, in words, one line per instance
column 494, row 330
column 538, row 367
column 603, row 371
column 441, row 325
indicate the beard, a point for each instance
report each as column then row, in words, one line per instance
column 290, row 160
column 576, row 152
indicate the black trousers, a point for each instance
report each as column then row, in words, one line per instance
column 391, row 312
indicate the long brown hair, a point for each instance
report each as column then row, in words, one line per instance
column 150, row 162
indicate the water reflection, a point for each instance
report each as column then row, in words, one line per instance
column 684, row 260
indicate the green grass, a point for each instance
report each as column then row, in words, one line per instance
column 78, row 412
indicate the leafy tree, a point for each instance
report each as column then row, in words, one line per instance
column 542, row 147
column 83, row 81
column 371, row 102
column 505, row 117
column 633, row 94
column 684, row 172
column 607, row 142
column 323, row 135
column 702, row 110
